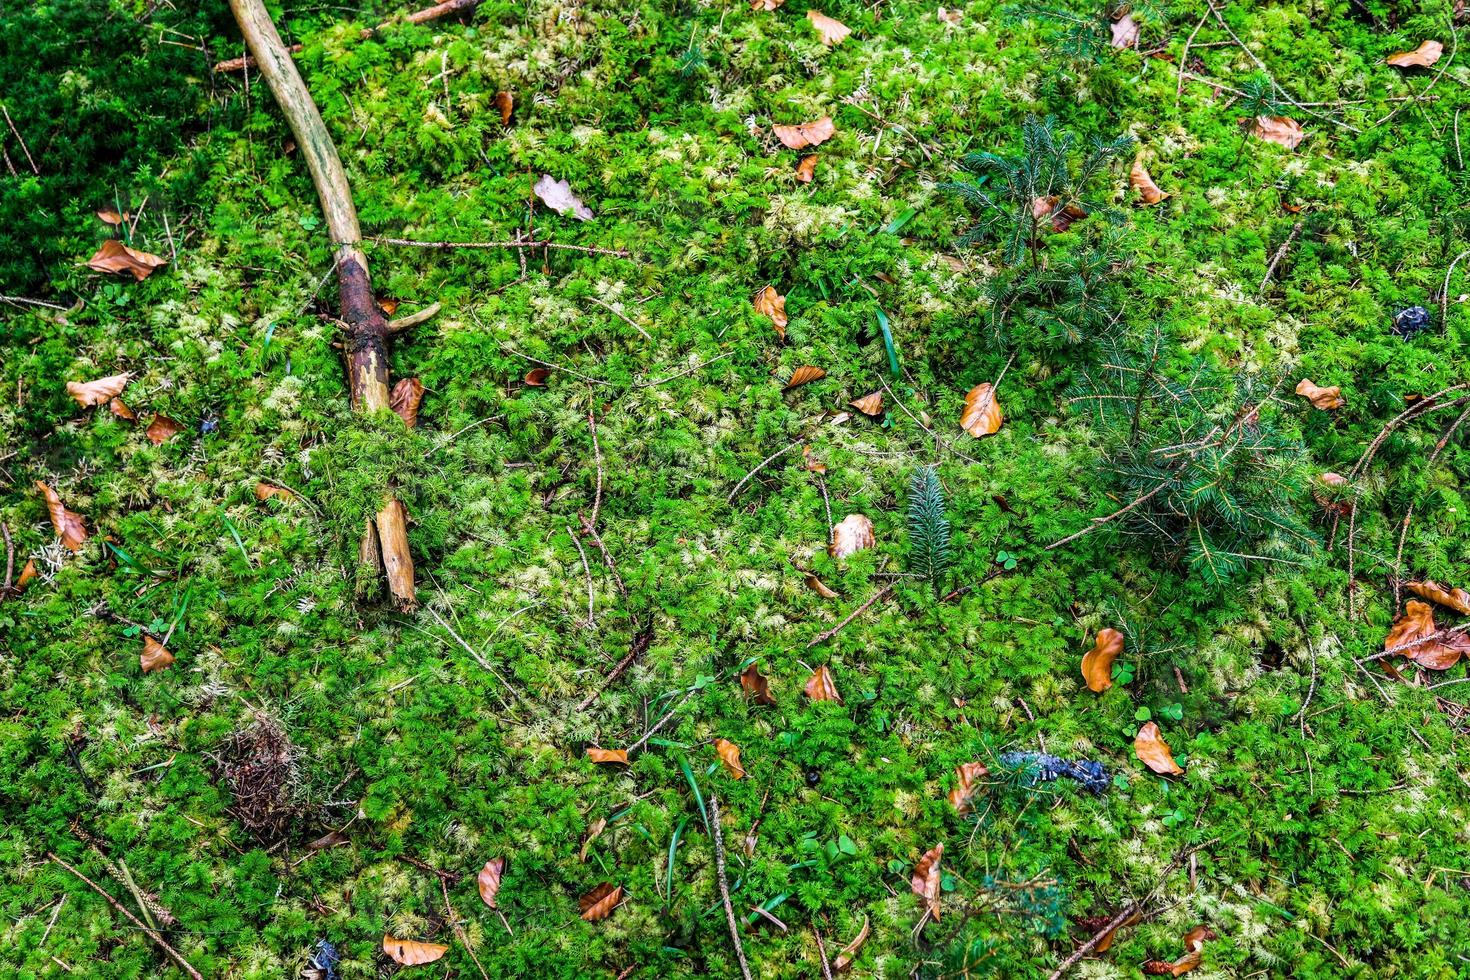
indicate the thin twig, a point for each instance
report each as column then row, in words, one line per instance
column 824, row 637
column 822, row 952
column 597, row 454
column 1184, row 58
column 1296, row 229
column 672, row 377
column 607, row 558
column 23, row 301
column 1444, row 296
column 9, row 560
column 719, row 834
column 417, row 17
column 660, row 723
column 620, row 316
column 620, row 253
column 1098, row 522
column 27, row 150
column 1454, row 47
column 758, row 467
column 459, row 929
column 150, row 933
column 587, row 569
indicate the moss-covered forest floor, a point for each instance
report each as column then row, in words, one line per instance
column 608, row 465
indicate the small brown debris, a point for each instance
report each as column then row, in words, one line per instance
column 821, row 686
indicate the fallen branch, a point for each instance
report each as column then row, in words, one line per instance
column 620, row 253
column 824, row 637
column 1098, row 522
column 417, row 17
column 642, row 640
column 719, row 835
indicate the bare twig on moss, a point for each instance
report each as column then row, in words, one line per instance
column 660, row 723
column 1098, row 522
column 417, row 17
column 642, row 640
column 413, row 319
column 822, row 953
column 150, row 933
column 607, row 558
column 1454, row 48
column 9, row 560
column 719, row 835
column 673, row 377
column 21, row 139
column 1296, row 230
column 23, row 301
column 646, row 335
column 1444, row 295
column 587, row 570
column 1398, row 561
column 597, row 456
column 620, row 253
column 459, row 929
column 1184, row 58
column 824, row 637
column 758, row 467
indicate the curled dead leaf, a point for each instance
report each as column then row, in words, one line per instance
column 1421, row 640
column 870, row 404
column 599, row 903
column 1456, row 599
column 26, row 575
column 804, row 375
column 1154, row 752
column 405, row 399
column 756, row 686
column 925, row 879
column 155, row 655
column 89, row 393
column 111, row 217
column 114, row 256
column 820, row 588
column 408, row 952
column 68, row 524
column 1125, row 32
column 982, row 415
column 851, row 950
column 1278, row 129
column 1194, row 946
column 770, row 303
column 966, row 777
column 802, row 135
column 489, row 879
column 557, row 195
column 615, row 757
column 821, row 686
column 594, row 831
column 536, row 377
column 1097, row 663
column 1138, row 177
column 832, row 32
column 162, row 429
column 729, row 754
column 1426, row 54
column 807, row 168
column 120, row 408
column 1326, row 399
column 505, row 103
column 852, row 534
column 265, row 491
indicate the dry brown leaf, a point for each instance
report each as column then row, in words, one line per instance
column 616, row 757
column 1426, row 54
column 489, row 878
column 114, row 256
column 982, row 416
column 1097, row 663
column 1416, row 626
column 329, row 840
column 850, row 951
column 1194, row 945
column 819, row 587
column 536, row 377
column 1106, row 942
column 26, row 575
column 756, row 686
column 804, row 375
column 1138, row 177
column 765, row 4
column 770, row 303
column 506, row 103
column 925, row 880
column 950, row 16
column 729, row 754
column 265, row 491
column 833, row 32
column 599, row 902
column 387, row 304
column 802, row 135
column 821, row 686
column 68, row 523
column 966, row 775
column 155, row 655
column 807, row 168
column 1326, row 399
column 1278, row 129
column 557, row 195
column 111, row 217
column 89, row 393
column 870, row 404
column 411, row 953
column 1456, row 599
column 405, row 398
column 1125, row 32
column 1061, row 218
column 594, row 831
column 120, row 408
column 1154, row 752
column 162, row 429
column 810, row 462
column 851, row 535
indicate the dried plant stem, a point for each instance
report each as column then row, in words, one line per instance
column 1296, row 230
column 824, row 637
column 620, row 253
column 758, row 467
column 1098, row 522
column 459, row 930
column 587, row 569
column 9, row 560
column 719, row 835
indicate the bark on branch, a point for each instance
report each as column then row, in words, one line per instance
column 417, row 17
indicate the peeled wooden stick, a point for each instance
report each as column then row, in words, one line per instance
column 417, row 17
column 367, row 329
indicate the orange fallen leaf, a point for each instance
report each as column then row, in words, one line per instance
column 1125, row 32
column 810, row 462
column 804, row 375
column 802, row 135
column 850, row 951
column 756, row 686
column 155, row 655
column 1326, row 399
column 729, row 754
column 162, row 429
column 807, row 168
column 982, row 415
column 387, row 304
column 89, row 393
column 1106, row 942
column 770, row 303
column 832, row 32
column 120, row 408
column 966, row 776
column 1456, row 599
column 925, row 880
column 1097, row 663
column 1416, row 633
column 26, row 575
column 852, row 534
column 871, row 404
column 536, row 377
column 599, row 902
column 1426, row 54
column 1278, row 129
column 489, row 879
column 821, row 686
column 765, row 4
column 1154, row 752
column 405, row 398
column 1194, row 945
column 111, row 217
column 114, row 256
column 265, row 491
column 1138, row 177
column 506, row 103
column 616, row 757
column 68, row 523
column 819, row 587
column 411, row 953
